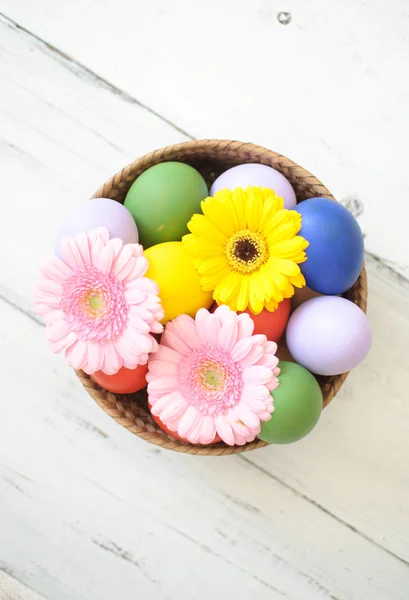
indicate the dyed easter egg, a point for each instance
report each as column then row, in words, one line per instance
column 126, row 381
column 272, row 324
column 328, row 335
column 179, row 283
column 297, row 406
column 163, row 199
column 175, row 433
column 99, row 212
column 257, row 175
column 336, row 247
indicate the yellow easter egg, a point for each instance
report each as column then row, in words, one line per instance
column 179, row 284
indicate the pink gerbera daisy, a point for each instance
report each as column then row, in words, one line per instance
column 97, row 305
column 211, row 376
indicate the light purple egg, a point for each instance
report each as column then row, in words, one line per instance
column 99, row 212
column 258, row 175
column 328, row 335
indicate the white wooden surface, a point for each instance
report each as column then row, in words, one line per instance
column 90, row 512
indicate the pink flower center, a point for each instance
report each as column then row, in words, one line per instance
column 94, row 304
column 210, row 380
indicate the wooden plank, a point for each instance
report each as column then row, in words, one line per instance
column 63, row 133
column 92, row 510
column 329, row 90
column 11, row 589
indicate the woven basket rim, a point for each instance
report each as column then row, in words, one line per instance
column 130, row 411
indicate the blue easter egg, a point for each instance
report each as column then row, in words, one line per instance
column 336, row 246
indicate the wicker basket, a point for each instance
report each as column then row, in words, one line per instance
column 210, row 158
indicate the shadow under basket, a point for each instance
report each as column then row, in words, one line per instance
column 210, row 158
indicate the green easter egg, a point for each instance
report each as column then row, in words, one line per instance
column 297, row 406
column 163, row 199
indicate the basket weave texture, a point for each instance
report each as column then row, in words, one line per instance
column 210, row 158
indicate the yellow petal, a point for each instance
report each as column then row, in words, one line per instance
column 239, row 199
column 196, row 245
column 288, row 248
column 226, row 290
column 298, row 280
column 285, row 266
column 272, row 305
column 278, row 200
column 254, row 208
column 201, row 226
column 210, row 265
column 210, row 282
column 243, row 295
column 220, row 214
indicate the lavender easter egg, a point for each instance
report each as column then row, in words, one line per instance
column 257, row 175
column 336, row 247
column 99, row 212
column 328, row 335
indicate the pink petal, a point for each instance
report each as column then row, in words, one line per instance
column 161, row 368
column 53, row 316
column 96, row 250
column 224, row 314
column 254, row 404
column 272, row 384
column 70, row 253
column 64, row 342
column 175, row 342
column 184, row 326
column 241, row 349
column 48, row 287
column 138, row 270
column 194, row 435
column 252, row 357
column 75, row 354
column 259, row 392
column 158, row 403
column 104, row 261
column 245, row 325
column 207, row 430
column 175, row 407
column 207, row 326
column 256, row 375
column 156, row 327
column 228, row 335
column 112, row 361
column 57, row 330
column 163, row 385
column 224, row 430
column 94, row 358
column 268, row 360
column 124, row 262
column 188, row 421
column 270, row 347
column 56, row 269
column 83, row 247
column 138, row 324
column 241, row 440
column 249, row 418
column 102, row 233
column 167, row 354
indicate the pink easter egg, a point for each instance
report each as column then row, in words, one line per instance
column 99, row 212
column 256, row 175
column 328, row 335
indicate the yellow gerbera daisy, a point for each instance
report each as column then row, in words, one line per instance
column 246, row 248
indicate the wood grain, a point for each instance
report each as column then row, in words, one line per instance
column 329, row 90
column 91, row 512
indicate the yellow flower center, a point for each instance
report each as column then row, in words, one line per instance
column 246, row 251
column 94, row 304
